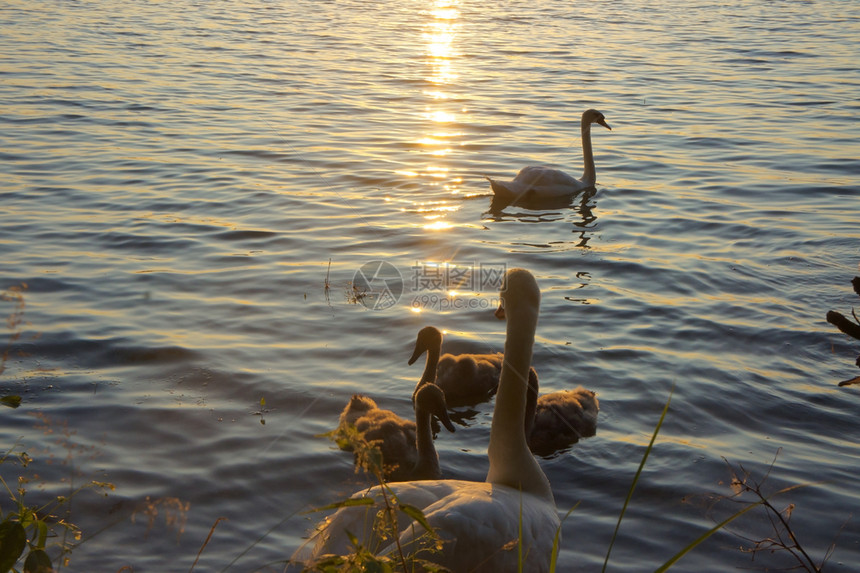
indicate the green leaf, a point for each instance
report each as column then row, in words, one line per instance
column 13, row 540
column 13, row 401
column 353, row 539
column 417, row 515
column 377, row 567
column 42, row 529
column 38, row 562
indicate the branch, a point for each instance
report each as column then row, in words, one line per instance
column 843, row 324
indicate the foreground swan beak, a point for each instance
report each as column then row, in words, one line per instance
column 604, row 124
column 500, row 313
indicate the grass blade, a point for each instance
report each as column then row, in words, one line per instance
column 705, row 535
column 554, row 561
column 636, row 480
column 353, row 501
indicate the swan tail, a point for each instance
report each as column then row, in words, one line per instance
column 504, row 193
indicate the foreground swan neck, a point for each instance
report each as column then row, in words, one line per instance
column 589, row 175
column 511, row 461
column 531, row 402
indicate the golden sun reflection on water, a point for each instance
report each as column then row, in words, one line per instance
column 438, row 226
column 439, row 140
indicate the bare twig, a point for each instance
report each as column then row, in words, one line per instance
column 205, row 543
column 784, row 537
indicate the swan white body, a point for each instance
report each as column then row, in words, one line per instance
column 407, row 447
column 539, row 183
column 478, row 522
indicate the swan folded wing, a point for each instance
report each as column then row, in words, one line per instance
column 534, row 184
column 547, row 181
column 331, row 537
column 479, row 529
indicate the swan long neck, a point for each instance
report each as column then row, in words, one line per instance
column 589, row 175
column 427, row 465
column 431, row 364
column 429, row 374
column 511, row 462
column 531, row 403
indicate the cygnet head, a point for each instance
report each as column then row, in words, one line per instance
column 431, row 399
column 519, row 291
column 360, row 403
column 428, row 337
column 590, row 116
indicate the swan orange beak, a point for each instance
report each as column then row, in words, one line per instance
column 500, row 313
column 604, row 124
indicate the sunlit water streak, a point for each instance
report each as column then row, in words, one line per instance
column 177, row 177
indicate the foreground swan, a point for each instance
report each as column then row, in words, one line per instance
column 559, row 419
column 478, row 522
column 545, row 183
column 406, row 447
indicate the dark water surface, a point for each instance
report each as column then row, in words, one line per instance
column 177, row 176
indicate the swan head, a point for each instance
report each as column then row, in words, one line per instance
column 428, row 337
column 590, row 116
column 519, row 292
column 431, row 399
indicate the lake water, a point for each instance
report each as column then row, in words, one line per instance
column 181, row 180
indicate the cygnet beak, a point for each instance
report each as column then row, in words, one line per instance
column 415, row 354
column 604, row 124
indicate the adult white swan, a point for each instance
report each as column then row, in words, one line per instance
column 535, row 184
column 479, row 523
column 407, row 447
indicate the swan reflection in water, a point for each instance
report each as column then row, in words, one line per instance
column 556, row 209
